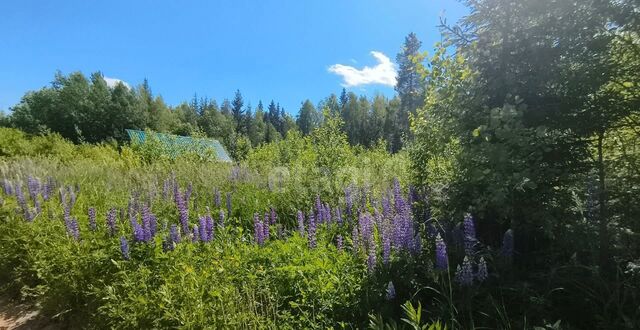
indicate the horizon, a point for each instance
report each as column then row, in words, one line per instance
column 268, row 51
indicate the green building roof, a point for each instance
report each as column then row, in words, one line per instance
column 177, row 143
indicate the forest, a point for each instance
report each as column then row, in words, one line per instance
column 497, row 189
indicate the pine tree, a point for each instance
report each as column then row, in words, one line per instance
column 237, row 110
column 409, row 85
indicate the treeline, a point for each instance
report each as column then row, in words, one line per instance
column 87, row 109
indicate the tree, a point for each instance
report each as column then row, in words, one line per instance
column 238, row 111
column 306, row 120
column 409, row 83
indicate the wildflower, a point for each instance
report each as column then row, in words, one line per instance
column 338, row 215
column 138, row 232
column 47, row 188
column 195, row 234
column 202, row 229
column 221, row 219
column 469, row 234
column 464, row 273
column 301, row 223
column 111, row 220
column 442, row 260
column 366, row 227
column 273, row 216
column 183, row 211
column 7, row 187
column 482, row 274
column 153, row 224
column 348, row 201
column 146, row 223
column 386, row 247
column 339, row 242
column 72, row 228
column 33, row 186
column 174, row 234
column 371, row 259
column 312, row 231
column 265, row 227
column 229, row 204
column 92, row 218
column 216, row 197
column 391, row 292
column 258, row 230
column 124, row 248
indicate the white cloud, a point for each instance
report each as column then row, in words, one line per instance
column 383, row 73
column 112, row 82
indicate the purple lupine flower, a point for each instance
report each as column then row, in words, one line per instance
column 265, row 226
column 258, row 230
column 111, row 220
column 204, row 237
column 209, row 225
column 229, row 204
column 371, row 259
column 366, row 228
column 482, row 274
column 386, row 245
column 338, row 216
column 221, row 219
column 22, row 202
column 183, row 211
column 92, row 218
column 339, row 242
column 47, row 188
column 216, row 198
column 72, row 228
column 195, row 234
column 124, row 248
column 469, row 234
column 138, row 232
column 507, row 244
column 442, row 260
column 33, row 186
column 301, row 223
column 464, row 273
column 312, row 231
column 390, row 292
column 386, row 206
column 273, row 216
column 354, row 239
column 7, row 187
column 153, row 224
column 38, row 206
column 363, row 196
column 327, row 213
column 174, row 234
column 146, row 223
column 348, row 201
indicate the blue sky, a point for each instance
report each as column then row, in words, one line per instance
column 283, row 50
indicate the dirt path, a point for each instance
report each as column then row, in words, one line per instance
column 15, row 315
